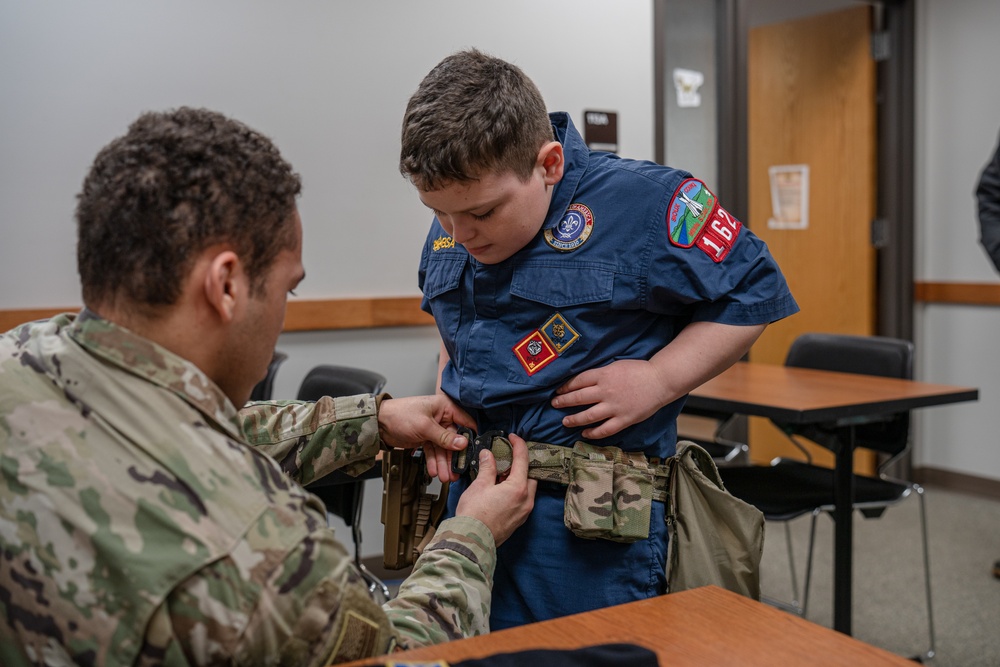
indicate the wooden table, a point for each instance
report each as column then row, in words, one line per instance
column 703, row 627
column 808, row 396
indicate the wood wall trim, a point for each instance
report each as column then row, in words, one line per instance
column 332, row 314
column 983, row 487
column 302, row 315
column 974, row 294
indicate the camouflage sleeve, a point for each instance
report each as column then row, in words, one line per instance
column 307, row 605
column 287, row 594
column 448, row 595
column 310, row 440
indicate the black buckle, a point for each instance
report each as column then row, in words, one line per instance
column 467, row 460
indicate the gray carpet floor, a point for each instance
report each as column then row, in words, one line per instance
column 889, row 607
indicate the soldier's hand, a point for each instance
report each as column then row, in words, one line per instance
column 429, row 422
column 502, row 506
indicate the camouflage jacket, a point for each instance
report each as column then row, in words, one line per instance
column 138, row 527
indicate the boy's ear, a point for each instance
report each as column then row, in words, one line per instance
column 552, row 162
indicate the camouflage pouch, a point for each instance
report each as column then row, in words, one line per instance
column 589, row 506
column 633, row 498
column 610, row 494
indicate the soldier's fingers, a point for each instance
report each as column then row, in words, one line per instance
column 448, row 439
column 519, row 461
column 445, row 473
column 487, row 468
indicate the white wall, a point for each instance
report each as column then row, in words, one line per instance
column 958, row 123
column 328, row 80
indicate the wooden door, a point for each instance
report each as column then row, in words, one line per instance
column 811, row 101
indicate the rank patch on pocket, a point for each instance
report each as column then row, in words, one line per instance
column 534, row 352
column 559, row 333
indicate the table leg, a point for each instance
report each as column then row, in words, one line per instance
column 843, row 553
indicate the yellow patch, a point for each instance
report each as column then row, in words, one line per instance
column 443, row 242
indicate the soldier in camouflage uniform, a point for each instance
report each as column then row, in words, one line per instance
column 143, row 518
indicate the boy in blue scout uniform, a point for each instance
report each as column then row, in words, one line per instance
column 579, row 297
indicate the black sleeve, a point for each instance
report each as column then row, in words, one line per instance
column 988, row 194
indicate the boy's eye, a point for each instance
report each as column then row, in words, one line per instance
column 292, row 292
column 484, row 216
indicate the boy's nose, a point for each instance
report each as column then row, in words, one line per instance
column 462, row 233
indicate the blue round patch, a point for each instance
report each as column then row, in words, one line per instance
column 573, row 230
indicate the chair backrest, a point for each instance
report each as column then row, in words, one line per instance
column 864, row 355
column 326, row 380
column 263, row 390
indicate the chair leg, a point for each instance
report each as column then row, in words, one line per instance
column 809, row 560
column 374, row 583
column 929, row 654
column 791, row 566
column 794, row 606
column 931, row 651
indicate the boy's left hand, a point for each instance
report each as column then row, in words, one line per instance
column 620, row 394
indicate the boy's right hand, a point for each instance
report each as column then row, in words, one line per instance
column 502, row 506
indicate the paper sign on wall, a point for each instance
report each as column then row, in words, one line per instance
column 789, row 196
column 687, row 82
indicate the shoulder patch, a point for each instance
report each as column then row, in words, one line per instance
column 694, row 217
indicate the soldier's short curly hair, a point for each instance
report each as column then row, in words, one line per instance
column 176, row 183
column 473, row 113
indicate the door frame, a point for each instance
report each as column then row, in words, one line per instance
column 895, row 81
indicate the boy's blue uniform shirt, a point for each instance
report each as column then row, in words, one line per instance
column 606, row 284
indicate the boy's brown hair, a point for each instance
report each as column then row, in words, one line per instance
column 471, row 114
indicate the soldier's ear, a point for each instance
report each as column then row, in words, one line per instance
column 225, row 284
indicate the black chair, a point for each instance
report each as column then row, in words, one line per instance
column 342, row 494
column 787, row 488
column 721, row 446
column 264, row 389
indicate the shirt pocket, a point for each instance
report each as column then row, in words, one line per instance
column 442, row 283
column 580, row 296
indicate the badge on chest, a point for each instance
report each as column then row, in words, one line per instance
column 573, row 229
column 545, row 344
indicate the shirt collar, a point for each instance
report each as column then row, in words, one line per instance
column 576, row 157
column 143, row 358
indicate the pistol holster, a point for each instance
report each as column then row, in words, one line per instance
column 409, row 513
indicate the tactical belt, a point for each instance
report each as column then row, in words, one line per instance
column 609, row 492
column 554, row 463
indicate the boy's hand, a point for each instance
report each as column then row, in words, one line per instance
column 628, row 391
column 620, row 394
column 502, row 506
column 428, row 422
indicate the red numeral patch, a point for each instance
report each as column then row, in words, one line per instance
column 718, row 236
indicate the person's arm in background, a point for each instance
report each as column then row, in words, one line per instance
column 988, row 195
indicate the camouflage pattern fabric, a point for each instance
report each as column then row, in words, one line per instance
column 609, row 492
column 138, row 527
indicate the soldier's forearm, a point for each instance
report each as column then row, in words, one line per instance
column 456, row 571
column 311, row 440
